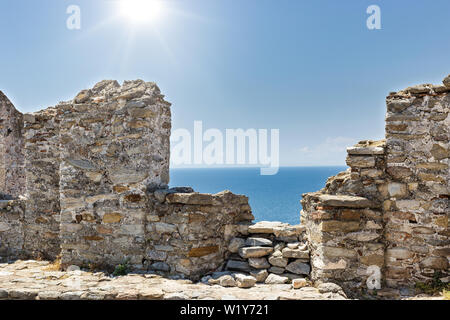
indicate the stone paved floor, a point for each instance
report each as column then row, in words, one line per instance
column 34, row 280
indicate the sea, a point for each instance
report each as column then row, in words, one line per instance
column 273, row 198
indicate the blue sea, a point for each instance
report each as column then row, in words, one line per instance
column 275, row 198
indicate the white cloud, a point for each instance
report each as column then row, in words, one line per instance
column 330, row 152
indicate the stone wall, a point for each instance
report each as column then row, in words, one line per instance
column 94, row 172
column 417, row 206
column 344, row 221
column 11, row 229
column 390, row 208
column 269, row 252
column 188, row 233
column 12, row 180
column 42, row 214
column 114, row 144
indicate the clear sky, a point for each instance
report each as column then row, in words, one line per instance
column 309, row 68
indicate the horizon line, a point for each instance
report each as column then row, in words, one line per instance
column 245, row 167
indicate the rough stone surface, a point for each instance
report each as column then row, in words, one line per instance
column 389, row 210
column 36, row 280
column 245, row 281
column 276, row 279
column 12, row 175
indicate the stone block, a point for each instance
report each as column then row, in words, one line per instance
column 339, row 226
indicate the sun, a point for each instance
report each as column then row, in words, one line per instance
column 141, row 11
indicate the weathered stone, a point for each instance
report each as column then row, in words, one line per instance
column 397, row 189
column 238, row 265
column 72, row 268
column 339, row 252
column 258, row 263
column 373, row 259
column 227, row 281
column 202, row 251
column 365, row 150
column 244, row 281
column 275, row 279
column 339, row 226
column 277, row 259
column 439, row 152
column 295, row 253
column 157, row 255
column 255, row 252
column 252, row 242
column 299, row 267
column 190, row 198
column 160, row 266
column 399, row 172
column 435, row 263
column 360, row 161
column 113, row 217
column 276, row 270
column 328, row 287
column 398, row 105
column 266, row 227
column 259, row 275
column 345, row 201
column 236, row 244
column 299, row 283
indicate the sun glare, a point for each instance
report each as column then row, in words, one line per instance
column 141, row 11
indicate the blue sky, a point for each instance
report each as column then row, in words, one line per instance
column 309, row 68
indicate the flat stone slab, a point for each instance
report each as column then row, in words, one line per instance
column 250, row 242
column 365, row 150
column 266, row 226
column 279, row 229
column 255, row 252
column 345, row 201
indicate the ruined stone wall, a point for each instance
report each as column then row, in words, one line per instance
column 269, row 251
column 114, row 143
column 188, row 233
column 344, row 221
column 42, row 214
column 417, row 206
column 390, row 208
column 12, row 179
column 11, row 229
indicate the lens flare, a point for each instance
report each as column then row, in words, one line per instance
column 141, row 11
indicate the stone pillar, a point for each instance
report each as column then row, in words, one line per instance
column 12, row 180
column 114, row 146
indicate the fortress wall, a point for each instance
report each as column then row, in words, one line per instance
column 114, row 146
column 417, row 209
column 344, row 221
column 397, row 215
column 188, row 233
column 12, row 179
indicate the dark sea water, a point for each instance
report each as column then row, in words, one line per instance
column 275, row 198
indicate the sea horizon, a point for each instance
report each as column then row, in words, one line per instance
column 275, row 197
